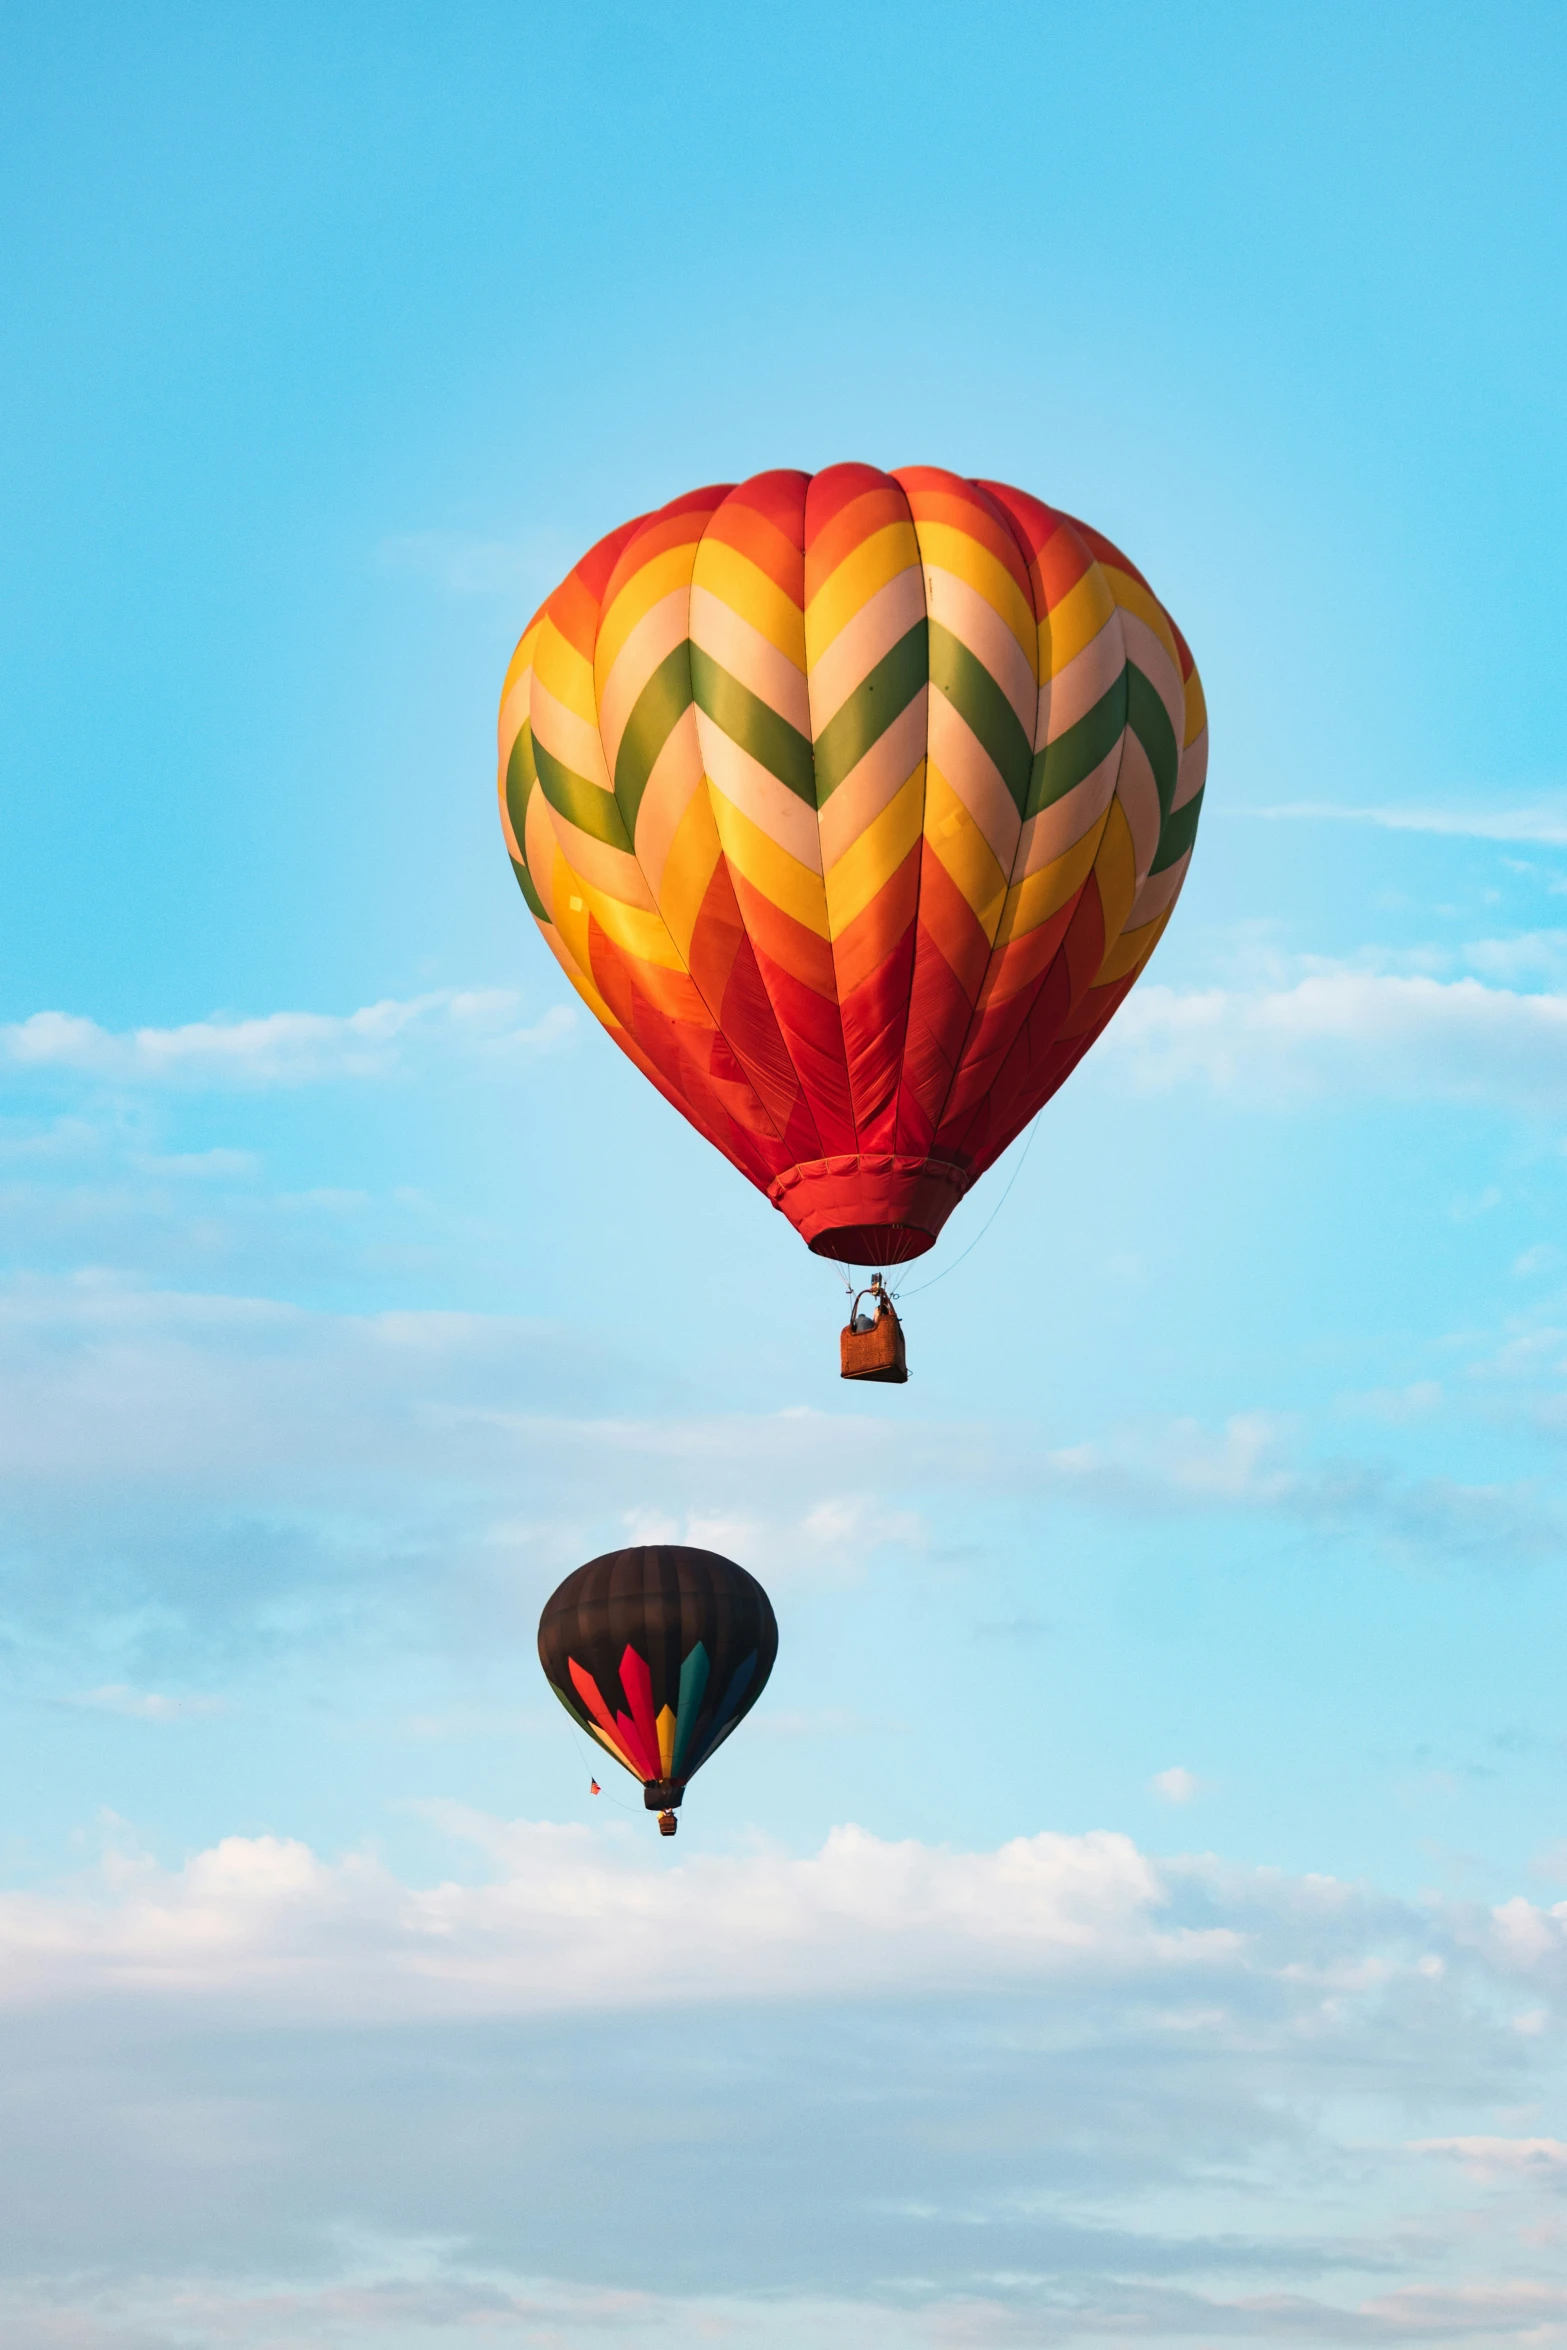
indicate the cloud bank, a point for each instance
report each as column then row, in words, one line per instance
column 281, row 1048
column 1058, row 2091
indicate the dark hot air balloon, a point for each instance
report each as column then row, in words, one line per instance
column 853, row 805
column 658, row 1652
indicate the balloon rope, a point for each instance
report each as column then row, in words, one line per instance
column 984, row 1228
column 619, row 1803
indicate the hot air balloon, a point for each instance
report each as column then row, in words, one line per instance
column 658, row 1653
column 852, row 805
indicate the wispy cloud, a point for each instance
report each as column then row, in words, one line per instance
column 1545, row 825
column 1255, row 1462
column 214, row 1477
column 147, row 1705
column 1501, row 2159
column 464, row 563
column 282, row 1048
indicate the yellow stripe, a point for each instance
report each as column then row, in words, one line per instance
column 569, row 901
column 1132, row 948
column 1134, row 597
column 514, row 712
column 560, row 668
column 1033, row 900
column 964, row 851
column 947, row 548
column 633, row 601
column 632, row 928
column 1075, row 621
column 858, row 577
column 666, row 1741
column 541, row 844
column 782, row 879
column 579, row 980
column 870, row 861
column 735, row 581
column 1196, row 710
column 522, row 658
column 613, row 1746
column 688, row 869
column 1115, row 870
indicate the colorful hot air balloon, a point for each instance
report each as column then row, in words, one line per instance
column 852, row 805
column 657, row 1653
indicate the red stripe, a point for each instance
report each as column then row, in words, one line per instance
column 843, row 507
column 577, row 602
column 679, row 524
column 637, row 1682
column 936, row 496
column 764, row 519
column 588, row 1690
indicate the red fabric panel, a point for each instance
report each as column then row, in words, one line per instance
column 637, row 1682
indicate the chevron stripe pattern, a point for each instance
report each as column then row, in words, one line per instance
column 852, row 804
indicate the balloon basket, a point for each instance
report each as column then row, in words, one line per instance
column 663, row 1796
column 871, row 1347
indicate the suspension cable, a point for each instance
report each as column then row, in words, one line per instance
column 984, row 1228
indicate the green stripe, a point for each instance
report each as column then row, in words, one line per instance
column 521, row 776
column 1149, row 720
column 975, row 695
column 1176, row 836
column 754, row 724
column 882, row 695
column 659, row 708
column 525, row 883
column 688, row 1705
column 587, row 805
column 1061, row 766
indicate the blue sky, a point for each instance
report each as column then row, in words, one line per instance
column 1139, row 1904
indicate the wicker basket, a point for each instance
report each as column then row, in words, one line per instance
column 876, row 1353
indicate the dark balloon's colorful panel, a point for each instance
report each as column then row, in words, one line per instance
column 658, row 1652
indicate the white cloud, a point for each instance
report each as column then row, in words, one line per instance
column 1176, row 1785
column 567, row 1919
column 1397, row 1407
column 573, row 1920
column 834, row 1536
column 894, row 2094
column 282, row 1048
column 1528, row 954
column 1414, row 1037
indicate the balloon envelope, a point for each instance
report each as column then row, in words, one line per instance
column 852, row 805
column 658, row 1652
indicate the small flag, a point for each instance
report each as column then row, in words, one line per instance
column 594, row 1788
